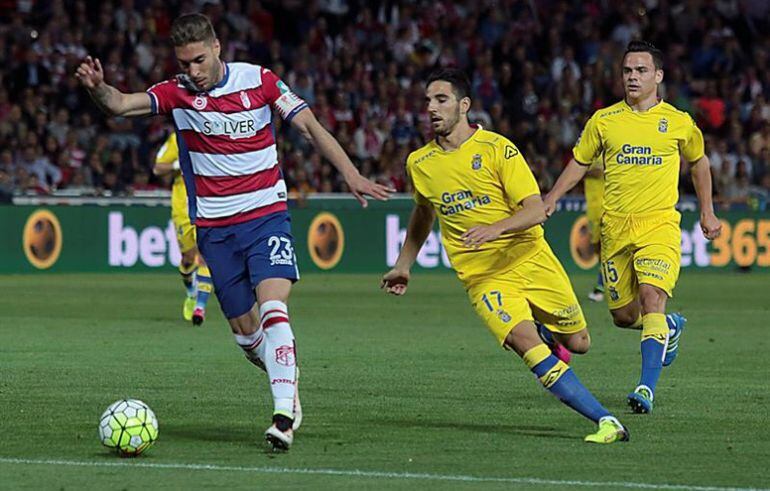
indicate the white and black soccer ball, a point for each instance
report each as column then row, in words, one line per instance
column 129, row 427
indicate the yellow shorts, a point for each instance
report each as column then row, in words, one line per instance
column 535, row 289
column 640, row 249
column 594, row 189
column 185, row 231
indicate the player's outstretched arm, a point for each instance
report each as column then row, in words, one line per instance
column 701, row 179
column 570, row 176
column 420, row 224
column 531, row 213
column 108, row 98
column 306, row 122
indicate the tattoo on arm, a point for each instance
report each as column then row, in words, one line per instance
column 106, row 97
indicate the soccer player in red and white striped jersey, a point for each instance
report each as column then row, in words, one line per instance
column 236, row 193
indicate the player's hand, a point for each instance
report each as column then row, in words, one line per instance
column 550, row 205
column 361, row 186
column 710, row 224
column 478, row 235
column 90, row 73
column 395, row 281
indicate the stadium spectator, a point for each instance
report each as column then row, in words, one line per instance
column 359, row 64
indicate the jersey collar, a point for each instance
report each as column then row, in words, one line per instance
column 650, row 110
column 476, row 128
column 224, row 79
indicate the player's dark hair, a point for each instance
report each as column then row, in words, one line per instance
column 645, row 47
column 192, row 28
column 461, row 86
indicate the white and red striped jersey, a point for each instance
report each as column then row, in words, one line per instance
column 227, row 149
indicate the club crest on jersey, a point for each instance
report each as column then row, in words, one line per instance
column 200, row 102
column 504, row 316
column 245, row 100
column 476, row 162
column 663, row 125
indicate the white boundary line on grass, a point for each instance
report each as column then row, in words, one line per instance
column 372, row 474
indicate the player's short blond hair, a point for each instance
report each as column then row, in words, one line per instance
column 192, row 28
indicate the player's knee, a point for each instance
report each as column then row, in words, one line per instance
column 245, row 324
column 522, row 338
column 579, row 343
column 188, row 258
column 624, row 318
column 653, row 299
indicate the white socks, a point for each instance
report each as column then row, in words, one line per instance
column 253, row 345
column 278, row 355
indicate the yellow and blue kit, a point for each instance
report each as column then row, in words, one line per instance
column 516, row 277
column 640, row 235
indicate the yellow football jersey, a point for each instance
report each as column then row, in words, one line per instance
column 641, row 152
column 594, row 185
column 480, row 183
column 596, row 165
column 168, row 154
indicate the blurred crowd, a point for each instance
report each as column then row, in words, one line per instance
column 539, row 68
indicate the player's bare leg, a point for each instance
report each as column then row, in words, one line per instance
column 249, row 337
column 563, row 345
column 558, row 378
column 629, row 316
column 577, row 342
column 280, row 360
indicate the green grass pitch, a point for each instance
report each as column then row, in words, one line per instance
column 398, row 393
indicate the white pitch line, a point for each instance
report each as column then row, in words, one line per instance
column 373, row 474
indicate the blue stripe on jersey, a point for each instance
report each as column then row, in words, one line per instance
column 224, row 80
column 185, row 163
column 296, row 110
column 153, row 104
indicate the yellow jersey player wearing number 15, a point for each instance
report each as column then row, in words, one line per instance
column 489, row 208
column 195, row 274
column 641, row 139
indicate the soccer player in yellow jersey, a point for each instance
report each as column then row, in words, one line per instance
column 641, row 139
column 594, row 192
column 195, row 274
column 489, row 207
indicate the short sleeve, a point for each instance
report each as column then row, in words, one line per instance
column 280, row 96
column 164, row 96
column 692, row 147
column 517, row 179
column 418, row 198
column 589, row 143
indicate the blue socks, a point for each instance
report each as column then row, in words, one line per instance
column 654, row 338
column 561, row 381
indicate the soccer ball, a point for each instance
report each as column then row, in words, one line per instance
column 129, row 426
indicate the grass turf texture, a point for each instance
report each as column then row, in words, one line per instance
column 409, row 385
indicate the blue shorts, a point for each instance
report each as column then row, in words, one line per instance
column 240, row 256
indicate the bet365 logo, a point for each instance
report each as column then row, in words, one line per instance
column 151, row 246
